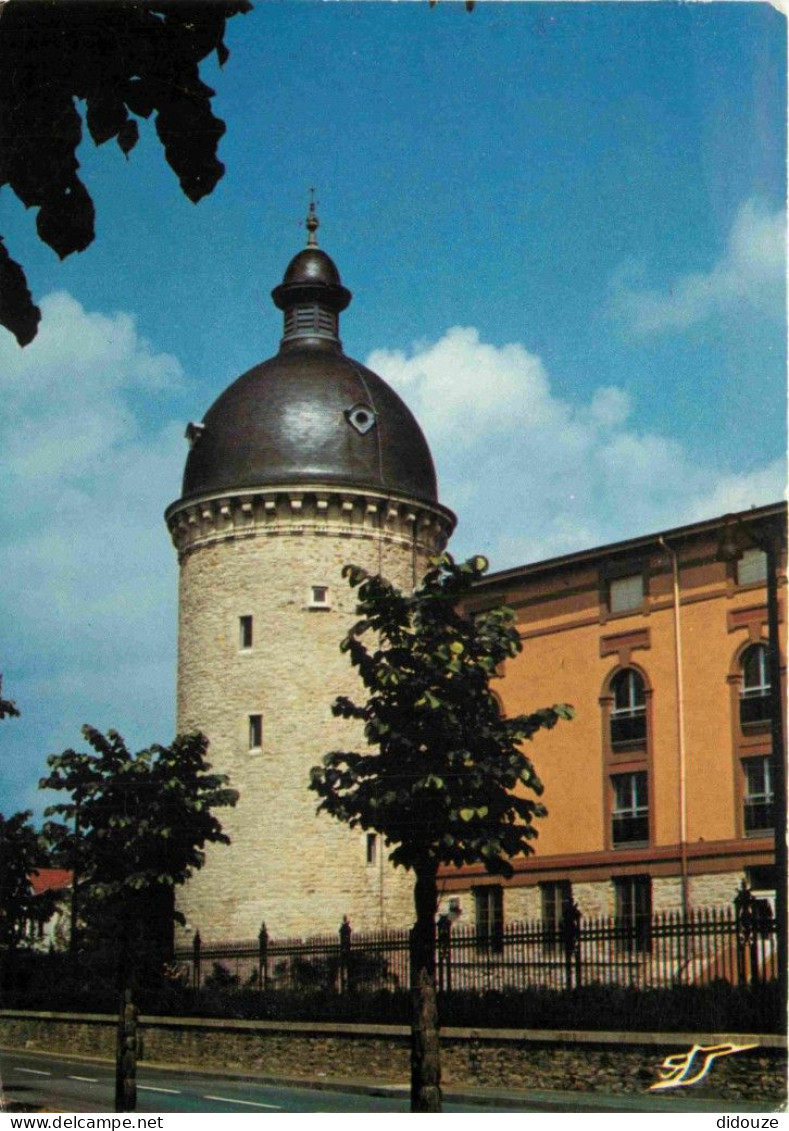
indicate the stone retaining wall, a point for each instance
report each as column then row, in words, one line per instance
column 584, row 1062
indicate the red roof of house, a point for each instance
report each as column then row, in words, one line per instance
column 50, row 879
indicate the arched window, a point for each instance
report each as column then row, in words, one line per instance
column 629, row 710
column 755, row 689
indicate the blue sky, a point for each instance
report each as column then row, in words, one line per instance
column 564, row 227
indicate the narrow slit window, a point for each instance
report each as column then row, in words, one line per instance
column 255, row 732
column 371, row 849
column 245, row 633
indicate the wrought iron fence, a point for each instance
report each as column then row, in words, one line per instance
column 734, row 944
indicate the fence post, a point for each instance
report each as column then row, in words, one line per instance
column 263, row 958
column 411, row 971
column 570, row 933
column 744, row 906
column 345, row 953
column 196, row 962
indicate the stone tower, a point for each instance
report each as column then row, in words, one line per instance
column 307, row 462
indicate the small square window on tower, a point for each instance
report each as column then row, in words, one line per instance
column 255, row 732
column 245, row 633
column 319, row 597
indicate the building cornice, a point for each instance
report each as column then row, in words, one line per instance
column 663, row 859
column 631, row 546
column 320, row 510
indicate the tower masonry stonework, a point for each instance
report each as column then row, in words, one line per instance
column 306, row 463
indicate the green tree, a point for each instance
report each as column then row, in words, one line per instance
column 109, row 63
column 22, row 852
column 446, row 783
column 135, row 826
column 8, row 708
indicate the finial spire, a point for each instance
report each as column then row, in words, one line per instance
column 313, row 223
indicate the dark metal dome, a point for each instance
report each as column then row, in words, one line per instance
column 310, row 414
column 312, row 265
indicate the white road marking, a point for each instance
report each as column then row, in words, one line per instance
column 85, row 1079
column 246, row 1103
column 150, row 1088
column 32, row 1071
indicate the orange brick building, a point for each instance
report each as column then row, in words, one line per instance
column 659, row 792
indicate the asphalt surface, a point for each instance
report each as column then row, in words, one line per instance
column 55, row 1082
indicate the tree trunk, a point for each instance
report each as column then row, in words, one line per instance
column 126, row 1045
column 425, row 1062
column 126, row 1055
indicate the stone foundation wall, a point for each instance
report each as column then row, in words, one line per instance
column 615, row 1063
column 597, row 899
column 712, row 890
column 594, row 900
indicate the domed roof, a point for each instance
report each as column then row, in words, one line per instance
column 310, row 414
column 312, row 276
column 312, row 265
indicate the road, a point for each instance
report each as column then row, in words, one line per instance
column 55, row 1083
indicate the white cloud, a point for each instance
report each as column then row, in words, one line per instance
column 531, row 475
column 67, row 393
column 461, row 371
column 87, row 604
column 750, row 273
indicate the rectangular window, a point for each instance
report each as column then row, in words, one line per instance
column 244, row 632
column 633, row 902
column 255, row 732
column 755, row 697
column 630, row 811
column 319, row 597
column 762, row 877
column 626, row 593
column 752, row 567
column 758, row 817
column 371, row 849
column 555, row 897
column 489, row 917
